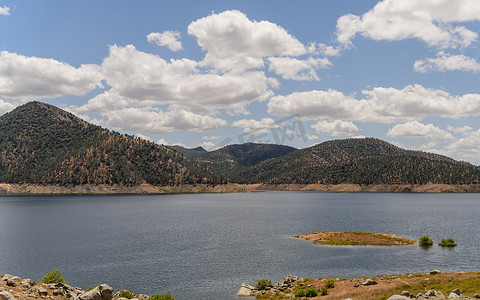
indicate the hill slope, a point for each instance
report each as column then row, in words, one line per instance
column 233, row 158
column 359, row 161
column 189, row 152
column 42, row 144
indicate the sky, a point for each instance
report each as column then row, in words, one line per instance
column 214, row 73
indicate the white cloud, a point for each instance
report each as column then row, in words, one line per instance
column 326, row 50
column 5, row 107
column 25, row 78
column 436, row 22
column 207, row 138
column 147, row 79
column 310, row 136
column 465, row 130
column 444, row 62
column 152, row 121
column 168, row 38
column 233, row 42
column 210, row 146
column 296, row 69
column 162, row 142
column 145, row 137
column 335, row 128
column 416, row 129
column 383, row 105
column 254, row 126
column 4, row 10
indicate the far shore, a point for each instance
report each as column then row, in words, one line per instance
column 103, row 189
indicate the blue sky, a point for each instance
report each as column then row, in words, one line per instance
column 213, row 73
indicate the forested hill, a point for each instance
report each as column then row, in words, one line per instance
column 42, row 144
column 359, row 161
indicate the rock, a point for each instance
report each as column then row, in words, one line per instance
column 367, row 281
column 457, row 291
column 357, row 284
column 27, row 283
column 11, row 282
column 38, row 290
column 431, row 293
column 453, row 296
column 398, row 297
column 419, row 295
column 101, row 292
column 406, row 293
column 434, row 272
column 143, row 297
column 476, row 296
column 6, row 296
column 245, row 290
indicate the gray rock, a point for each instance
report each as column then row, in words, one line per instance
column 406, row 293
column 367, row 281
column 431, row 293
column 419, row 295
column 434, row 272
column 476, row 296
column 6, row 296
column 27, row 283
column 38, row 290
column 143, row 297
column 101, row 292
column 11, row 282
column 457, row 291
column 245, row 290
column 398, row 297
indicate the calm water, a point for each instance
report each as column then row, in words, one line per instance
column 203, row 246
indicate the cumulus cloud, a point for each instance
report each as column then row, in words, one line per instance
column 162, row 142
column 5, row 107
column 147, row 79
column 383, row 105
column 234, row 42
column 207, row 138
column 310, row 136
column 416, row 129
column 467, row 148
column 444, row 62
column 210, row 146
column 4, row 10
column 145, row 137
column 153, row 121
column 436, row 22
column 465, row 130
column 25, row 78
column 335, row 128
column 170, row 39
column 296, row 69
column 254, row 126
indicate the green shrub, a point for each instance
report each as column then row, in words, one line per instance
column 330, row 284
column 262, row 284
column 166, row 296
column 300, row 293
column 129, row 294
column 447, row 243
column 311, row 292
column 425, row 241
column 323, row 291
column 92, row 287
column 53, row 277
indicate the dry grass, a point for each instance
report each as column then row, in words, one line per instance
column 354, row 238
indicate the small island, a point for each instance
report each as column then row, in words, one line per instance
column 355, row 238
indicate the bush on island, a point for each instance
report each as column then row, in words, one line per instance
column 330, row 284
column 447, row 243
column 262, row 284
column 166, row 296
column 323, row 291
column 53, row 277
column 425, row 241
column 129, row 294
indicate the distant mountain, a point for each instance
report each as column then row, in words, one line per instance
column 233, row 158
column 189, row 152
column 42, row 144
column 359, row 161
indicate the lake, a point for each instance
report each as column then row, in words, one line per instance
column 203, row 246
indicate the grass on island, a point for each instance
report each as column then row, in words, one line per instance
column 354, row 238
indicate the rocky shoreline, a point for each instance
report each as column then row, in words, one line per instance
column 394, row 287
column 103, row 189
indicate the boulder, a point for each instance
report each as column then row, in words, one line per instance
column 431, row 293
column 11, row 282
column 406, row 293
column 38, row 290
column 398, row 297
column 457, row 291
column 6, row 296
column 143, row 297
column 367, row 281
column 476, row 296
column 245, row 290
column 101, row 292
column 434, row 272
column 27, row 283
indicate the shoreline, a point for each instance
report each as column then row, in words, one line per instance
column 103, row 189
